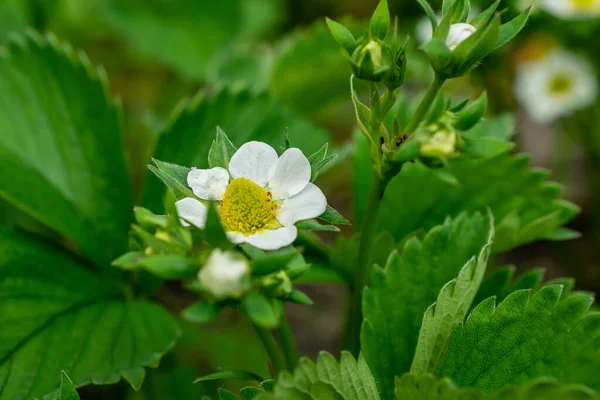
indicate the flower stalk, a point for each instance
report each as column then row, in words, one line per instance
column 278, row 362
column 432, row 92
column 288, row 344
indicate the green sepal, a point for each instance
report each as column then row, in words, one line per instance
column 300, row 297
column 437, row 108
column 510, row 29
column 225, row 394
column 230, row 373
column 333, row 217
column 380, row 21
column 273, row 260
column 214, row 233
column 429, row 12
column 475, row 47
column 342, row 35
column 471, row 115
column 439, row 54
column 314, row 225
column 174, row 177
column 201, row 312
column 170, row 266
column 129, row 261
column 407, row 151
column 480, row 21
column 260, row 311
column 320, row 161
column 221, row 150
column 148, row 220
column 67, row 388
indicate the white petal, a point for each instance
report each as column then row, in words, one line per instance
column 273, row 239
column 236, row 237
column 253, row 160
column 191, row 211
column 309, row 203
column 459, row 33
column 208, row 184
column 291, row 174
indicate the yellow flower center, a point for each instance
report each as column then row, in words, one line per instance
column 584, row 5
column 246, row 207
column 560, row 85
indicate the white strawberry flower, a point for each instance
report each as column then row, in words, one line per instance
column 224, row 275
column 555, row 86
column 572, row 9
column 261, row 196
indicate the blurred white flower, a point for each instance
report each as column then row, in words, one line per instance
column 261, row 197
column 224, row 275
column 572, row 9
column 555, row 86
column 459, row 33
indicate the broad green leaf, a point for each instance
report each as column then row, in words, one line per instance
column 309, row 72
column 70, row 319
column 326, row 379
column 65, row 155
column 396, row 300
column 230, row 374
column 67, row 389
column 526, row 206
column 525, row 337
column 413, row 386
column 450, row 309
column 190, row 133
column 183, row 35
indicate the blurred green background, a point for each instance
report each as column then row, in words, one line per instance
column 157, row 52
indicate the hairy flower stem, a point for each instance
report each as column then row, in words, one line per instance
column 287, row 342
column 417, row 117
column 278, row 363
column 364, row 265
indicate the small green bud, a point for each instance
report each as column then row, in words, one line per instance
column 372, row 61
column 442, row 144
column 278, row 284
column 395, row 78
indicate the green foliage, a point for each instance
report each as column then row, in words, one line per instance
column 230, row 374
column 70, row 319
column 185, row 35
column 426, row 386
column 525, row 337
column 396, row 300
column 448, row 311
column 309, row 73
column 526, row 206
column 326, row 379
column 189, row 135
column 65, row 155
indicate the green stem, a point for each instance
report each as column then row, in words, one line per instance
column 417, row 117
column 288, row 343
column 275, row 356
column 364, row 265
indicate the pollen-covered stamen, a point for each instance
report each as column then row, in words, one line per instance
column 246, row 207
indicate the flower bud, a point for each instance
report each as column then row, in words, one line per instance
column 372, row 61
column 441, row 145
column 458, row 33
column 278, row 284
column 224, row 275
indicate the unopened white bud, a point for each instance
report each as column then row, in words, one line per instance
column 459, row 33
column 224, row 275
